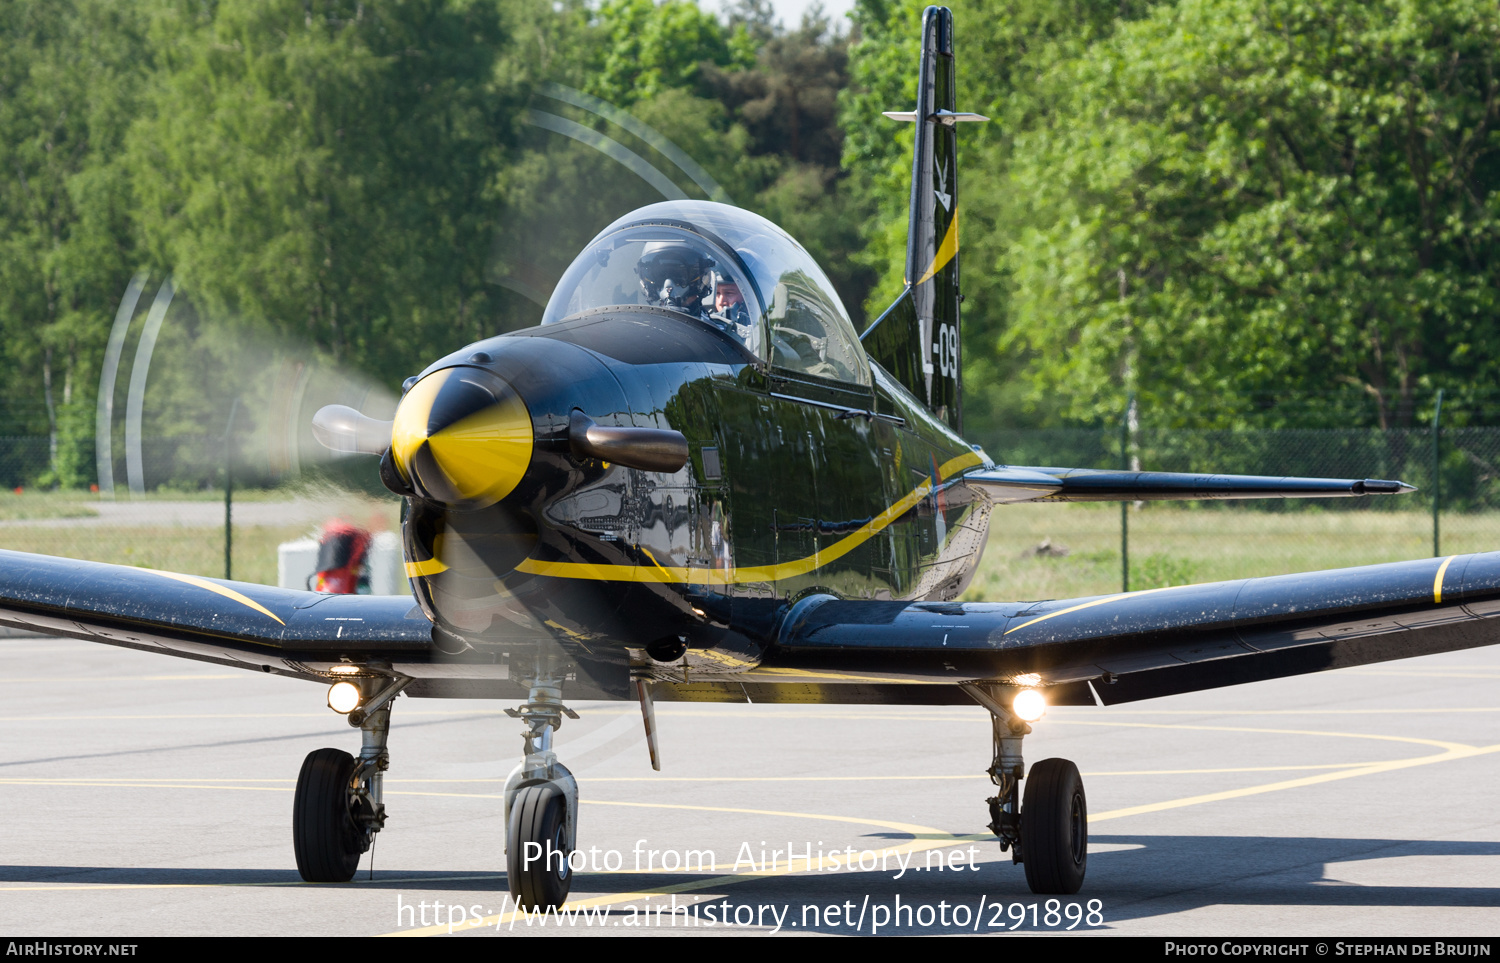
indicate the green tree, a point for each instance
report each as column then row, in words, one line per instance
column 1004, row 49
column 70, row 76
column 652, row 47
column 1242, row 198
column 328, row 170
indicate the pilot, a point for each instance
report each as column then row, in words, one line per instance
column 729, row 308
column 680, row 276
column 676, row 275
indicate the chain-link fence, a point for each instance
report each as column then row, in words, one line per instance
column 1035, row 551
column 177, row 518
column 1053, row 551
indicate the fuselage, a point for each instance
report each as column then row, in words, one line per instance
column 794, row 486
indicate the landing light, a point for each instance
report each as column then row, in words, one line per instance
column 343, row 697
column 1029, row 705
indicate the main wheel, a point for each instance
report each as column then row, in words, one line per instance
column 537, row 847
column 327, row 840
column 1054, row 828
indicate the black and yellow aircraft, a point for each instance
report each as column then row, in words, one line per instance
column 694, row 481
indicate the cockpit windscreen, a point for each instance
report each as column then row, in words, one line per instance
column 663, row 267
column 726, row 267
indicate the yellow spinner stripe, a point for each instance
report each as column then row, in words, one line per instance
column 679, row 575
column 946, row 251
column 1437, row 583
column 228, row 593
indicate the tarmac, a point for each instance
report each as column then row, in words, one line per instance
column 151, row 796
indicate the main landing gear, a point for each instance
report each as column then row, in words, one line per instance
column 1048, row 833
column 338, row 808
column 541, row 805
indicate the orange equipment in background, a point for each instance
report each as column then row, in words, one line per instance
column 343, row 559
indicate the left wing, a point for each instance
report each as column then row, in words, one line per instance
column 1137, row 645
column 1007, row 483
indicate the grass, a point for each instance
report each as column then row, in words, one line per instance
column 195, row 550
column 27, row 507
column 1172, row 545
column 1169, row 544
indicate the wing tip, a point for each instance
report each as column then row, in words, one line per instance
column 1382, row 486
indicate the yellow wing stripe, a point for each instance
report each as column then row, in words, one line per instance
column 946, row 251
column 1089, row 605
column 1437, row 597
column 1437, row 583
column 228, row 593
column 679, row 575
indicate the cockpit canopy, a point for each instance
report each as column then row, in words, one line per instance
column 724, row 267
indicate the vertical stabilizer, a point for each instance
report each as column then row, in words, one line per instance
column 917, row 338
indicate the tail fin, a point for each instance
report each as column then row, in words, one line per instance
column 916, row 339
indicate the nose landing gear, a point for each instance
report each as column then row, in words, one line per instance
column 541, row 805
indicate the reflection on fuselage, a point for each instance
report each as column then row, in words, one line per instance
column 786, row 495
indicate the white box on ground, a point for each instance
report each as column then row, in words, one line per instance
column 297, row 563
column 387, row 567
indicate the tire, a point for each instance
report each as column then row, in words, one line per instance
column 327, row 840
column 539, row 877
column 1054, row 828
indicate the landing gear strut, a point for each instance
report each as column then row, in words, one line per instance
column 541, row 805
column 338, row 807
column 1049, row 833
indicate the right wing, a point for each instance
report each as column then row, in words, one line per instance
column 240, row 624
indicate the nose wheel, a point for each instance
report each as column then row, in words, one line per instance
column 538, row 850
column 541, row 805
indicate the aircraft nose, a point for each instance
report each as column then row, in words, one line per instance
column 463, row 437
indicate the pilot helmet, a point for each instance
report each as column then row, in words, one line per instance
column 676, row 274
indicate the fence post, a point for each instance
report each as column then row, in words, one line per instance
column 1125, row 506
column 229, row 491
column 1437, row 482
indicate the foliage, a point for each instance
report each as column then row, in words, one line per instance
column 70, row 77
column 325, row 175
column 651, row 47
column 1212, row 204
column 1240, row 198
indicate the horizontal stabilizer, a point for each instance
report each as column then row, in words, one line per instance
column 948, row 117
column 1017, row 484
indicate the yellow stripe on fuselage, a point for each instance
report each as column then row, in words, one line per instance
column 680, row 575
column 430, row 566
